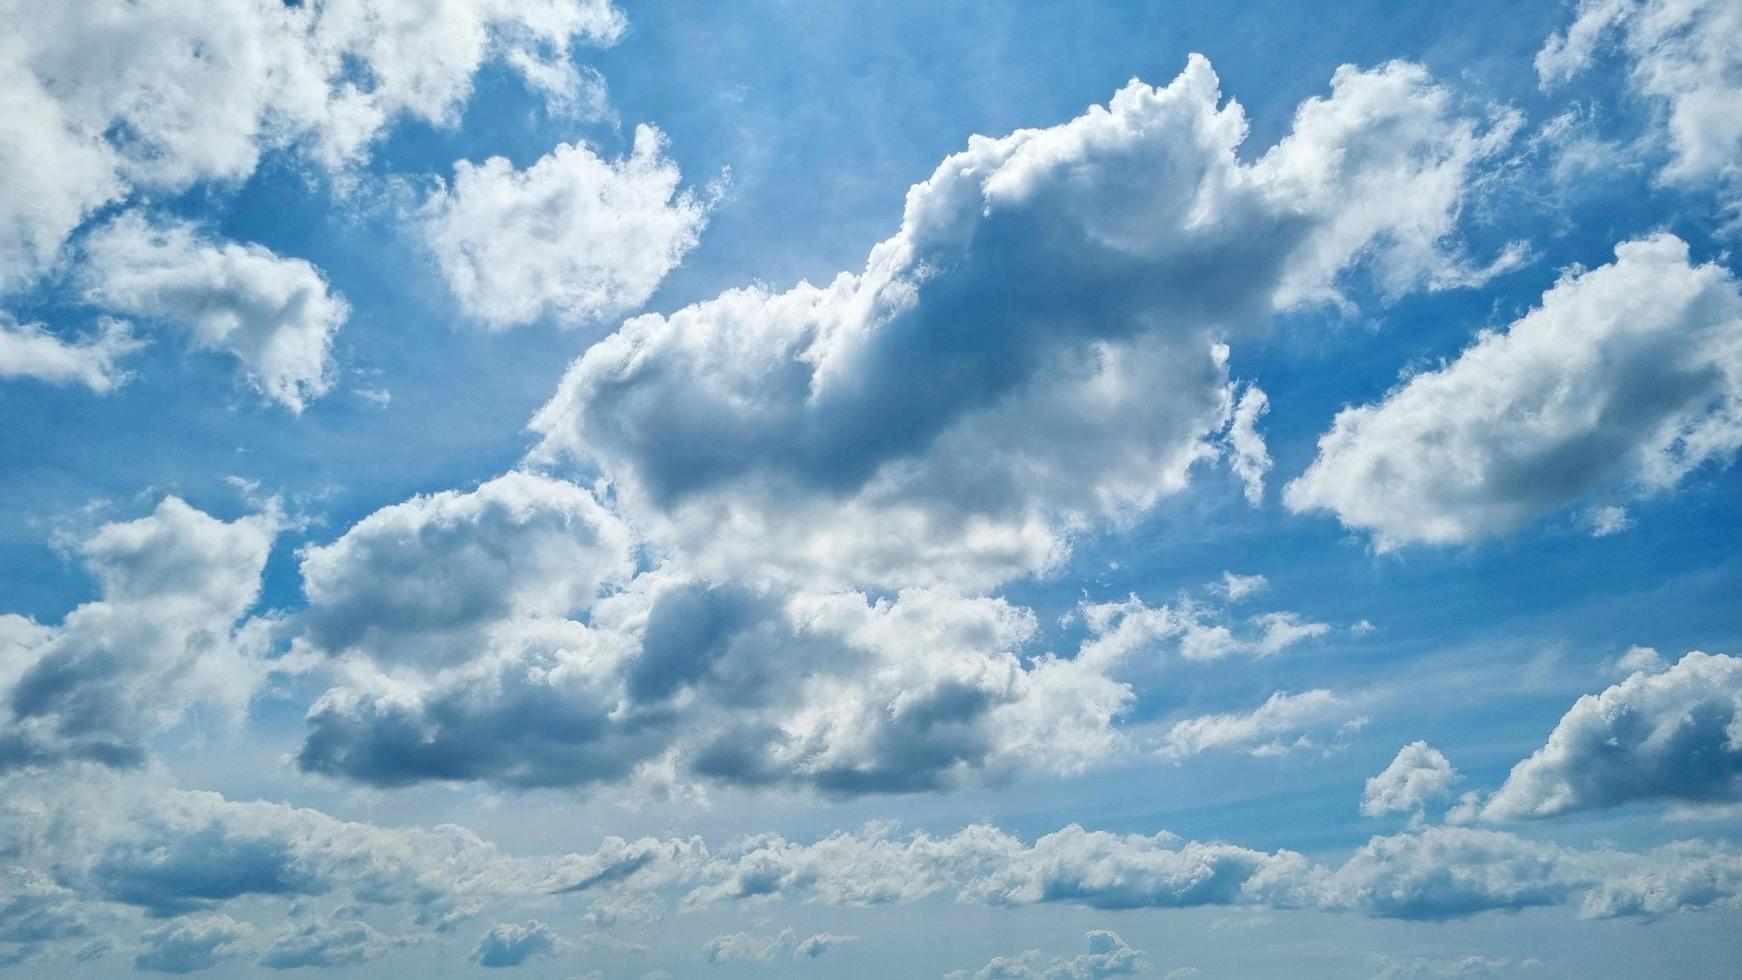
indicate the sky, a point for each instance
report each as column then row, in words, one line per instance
column 596, row 489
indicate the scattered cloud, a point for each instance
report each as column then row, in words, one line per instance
column 573, row 237
column 1673, row 734
column 1576, row 396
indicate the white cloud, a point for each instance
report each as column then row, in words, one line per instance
column 1109, row 955
column 1639, row 660
column 779, row 430
column 333, row 943
column 274, row 314
column 126, row 840
column 1237, row 587
column 1674, row 734
column 1686, row 57
column 573, row 237
column 425, row 581
column 1419, row 774
column 1283, row 722
column 105, row 97
column 163, row 637
column 1608, row 520
column 755, row 947
column 1629, row 376
column 837, row 692
column 512, row 944
column 1251, row 459
column 191, row 944
column 27, row 350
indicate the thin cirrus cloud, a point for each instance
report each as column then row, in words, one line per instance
column 1685, row 58
column 1626, row 379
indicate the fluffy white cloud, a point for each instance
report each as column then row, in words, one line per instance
column 163, row 637
column 1109, row 955
column 29, row 351
column 1419, row 774
column 837, row 692
column 1675, row 734
column 1282, row 723
column 1628, row 375
column 197, row 943
column 103, row 97
column 338, row 943
column 856, row 434
column 1686, row 57
column 504, row 635
column 427, row 581
column 573, row 237
column 512, row 944
column 274, row 314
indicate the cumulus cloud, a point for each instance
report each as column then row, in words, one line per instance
column 504, row 635
column 755, row 947
column 338, row 943
column 1672, row 734
column 164, row 636
column 35, row 912
column 1627, row 376
column 192, row 944
column 104, row 98
column 118, row 841
column 1109, row 955
column 426, row 581
column 1686, row 58
column 573, row 237
column 512, row 944
column 28, row 350
column 837, row 692
column 1418, row 775
column 1282, row 723
column 274, row 314
column 1104, row 257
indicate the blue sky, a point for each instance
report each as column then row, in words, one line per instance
column 870, row 489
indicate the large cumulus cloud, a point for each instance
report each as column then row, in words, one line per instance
column 839, row 692
column 1626, row 379
column 1036, row 350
